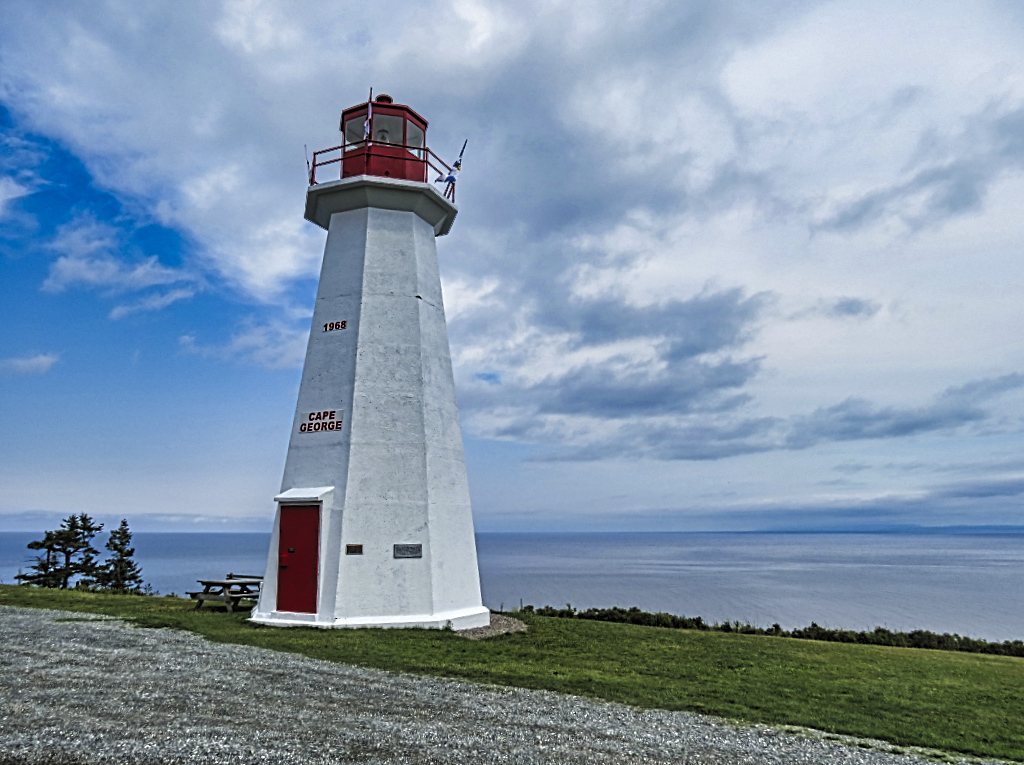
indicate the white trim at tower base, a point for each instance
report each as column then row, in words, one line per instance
column 463, row 619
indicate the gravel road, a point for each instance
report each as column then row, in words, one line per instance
column 95, row 690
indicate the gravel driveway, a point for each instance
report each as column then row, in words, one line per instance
column 95, row 690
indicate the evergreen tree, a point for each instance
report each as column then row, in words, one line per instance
column 86, row 566
column 69, row 553
column 44, row 570
column 119, row 573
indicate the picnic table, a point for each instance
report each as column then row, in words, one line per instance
column 228, row 591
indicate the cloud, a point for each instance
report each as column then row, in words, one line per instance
column 87, row 250
column 274, row 346
column 698, row 440
column 856, row 419
column 39, row 364
column 848, row 307
column 10, row 189
column 970, row 502
column 90, row 257
column 989, row 147
column 842, row 308
column 589, row 431
column 19, row 164
column 983, row 488
column 463, row 296
column 852, row 467
column 602, row 377
column 152, row 303
column 38, row 520
column 104, row 270
column 982, row 503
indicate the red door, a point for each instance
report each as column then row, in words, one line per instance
column 298, row 558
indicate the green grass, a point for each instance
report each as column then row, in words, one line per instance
column 955, row 702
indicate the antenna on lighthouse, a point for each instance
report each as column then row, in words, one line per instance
column 368, row 125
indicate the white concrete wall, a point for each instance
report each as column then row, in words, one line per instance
column 397, row 464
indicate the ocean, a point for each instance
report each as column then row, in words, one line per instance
column 971, row 584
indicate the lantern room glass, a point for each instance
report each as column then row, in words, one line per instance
column 355, row 129
column 415, row 138
column 387, row 128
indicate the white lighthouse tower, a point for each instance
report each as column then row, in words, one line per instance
column 373, row 525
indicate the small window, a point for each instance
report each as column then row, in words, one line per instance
column 415, row 137
column 408, row 551
column 387, row 128
column 355, row 130
column 353, row 549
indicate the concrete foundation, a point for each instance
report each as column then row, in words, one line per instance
column 376, row 442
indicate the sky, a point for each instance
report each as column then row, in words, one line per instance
column 718, row 265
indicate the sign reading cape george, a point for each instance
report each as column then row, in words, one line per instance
column 329, row 419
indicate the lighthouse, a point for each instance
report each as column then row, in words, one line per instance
column 373, row 526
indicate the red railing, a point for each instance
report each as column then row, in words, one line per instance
column 389, row 160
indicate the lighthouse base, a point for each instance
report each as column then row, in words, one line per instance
column 463, row 619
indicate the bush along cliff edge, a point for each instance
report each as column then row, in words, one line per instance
column 878, row 636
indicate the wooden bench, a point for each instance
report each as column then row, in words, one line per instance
column 230, row 591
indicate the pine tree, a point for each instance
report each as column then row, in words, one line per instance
column 69, row 553
column 87, row 566
column 119, row 573
column 45, row 568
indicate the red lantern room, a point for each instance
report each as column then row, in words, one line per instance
column 381, row 138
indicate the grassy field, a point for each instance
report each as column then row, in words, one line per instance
column 951, row 701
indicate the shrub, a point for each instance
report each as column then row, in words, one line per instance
column 878, row 636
